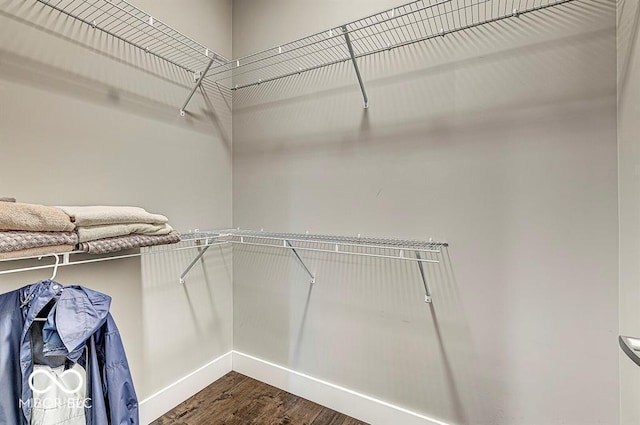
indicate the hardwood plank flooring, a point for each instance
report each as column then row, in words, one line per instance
column 236, row 399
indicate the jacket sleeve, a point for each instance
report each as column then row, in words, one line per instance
column 117, row 383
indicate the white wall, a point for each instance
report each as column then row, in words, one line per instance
column 87, row 120
column 500, row 140
column 629, row 187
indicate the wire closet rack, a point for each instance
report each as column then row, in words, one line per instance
column 131, row 25
column 419, row 252
column 127, row 23
column 188, row 241
column 414, row 22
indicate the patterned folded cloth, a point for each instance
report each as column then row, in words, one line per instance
column 7, row 199
column 93, row 233
column 33, row 252
column 104, row 246
column 34, row 218
column 20, row 240
column 100, row 215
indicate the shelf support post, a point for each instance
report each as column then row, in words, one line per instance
column 313, row 278
column 427, row 292
column 355, row 66
column 195, row 87
column 195, row 260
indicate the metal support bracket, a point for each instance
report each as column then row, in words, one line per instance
column 195, row 260
column 195, row 87
column 313, row 278
column 355, row 65
column 427, row 293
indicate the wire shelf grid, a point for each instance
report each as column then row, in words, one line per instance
column 410, row 23
column 413, row 22
column 131, row 25
column 277, row 239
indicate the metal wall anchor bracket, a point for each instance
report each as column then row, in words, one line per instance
column 195, row 260
column 313, row 278
column 427, row 292
column 355, row 66
column 195, row 87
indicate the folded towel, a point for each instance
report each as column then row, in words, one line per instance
column 7, row 199
column 19, row 240
column 33, row 252
column 104, row 246
column 31, row 217
column 93, row 233
column 100, row 215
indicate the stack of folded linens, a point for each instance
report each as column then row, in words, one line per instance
column 105, row 229
column 30, row 230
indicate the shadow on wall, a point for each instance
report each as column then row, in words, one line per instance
column 190, row 321
column 368, row 310
column 44, row 48
column 465, row 78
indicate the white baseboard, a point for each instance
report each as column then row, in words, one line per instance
column 351, row 403
column 156, row 405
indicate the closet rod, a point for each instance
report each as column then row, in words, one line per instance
column 67, row 262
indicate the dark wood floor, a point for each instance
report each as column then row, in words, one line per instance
column 236, row 399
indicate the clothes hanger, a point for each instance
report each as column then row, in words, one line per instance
column 55, row 267
column 53, row 276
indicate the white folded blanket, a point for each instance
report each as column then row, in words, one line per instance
column 92, row 233
column 101, row 215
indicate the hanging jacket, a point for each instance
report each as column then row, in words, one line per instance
column 78, row 327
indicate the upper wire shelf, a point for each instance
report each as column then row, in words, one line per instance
column 401, row 26
column 131, row 25
column 351, row 241
column 406, row 24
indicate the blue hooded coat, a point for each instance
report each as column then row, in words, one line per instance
column 79, row 327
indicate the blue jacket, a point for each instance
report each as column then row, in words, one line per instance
column 79, row 327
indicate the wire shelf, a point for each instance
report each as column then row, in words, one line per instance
column 131, row 25
column 418, row 252
column 189, row 243
column 330, row 241
column 410, row 23
column 415, row 251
